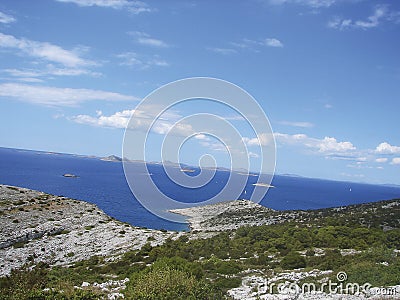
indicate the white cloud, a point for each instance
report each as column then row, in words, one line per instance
column 48, row 71
column 381, row 160
column 297, row 124
column 142, row 120
column 215, row 146
column 339, row 23
column 6, row 19
column 135, row 7
column 331, row 148
column 251, row 45
column 145, row 39
column 352, row 175
column 359, row 165
column 386, row 148
column 330, row 144
column 45, row 51
column 327, row 145
column 395, row 161
column 328, row 106
column 263, row 139
column 272, row 42
column 54, row 96
column 373, row 20
column 117, row 120
column 310, row 3
column 30, row 79
column 223, row 51
column 201, row 136
column 132, row 59
column 151, row 42
column 253, row 155
column 381, row 13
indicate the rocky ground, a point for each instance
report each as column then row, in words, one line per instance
column 35, row 227
column 38, row 227
column 257, row 285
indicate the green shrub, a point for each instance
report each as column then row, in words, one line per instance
column 228, row 267
column 169, row 284
column 293, row 260
column 228, row 283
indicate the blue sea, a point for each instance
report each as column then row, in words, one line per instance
column 103, row 183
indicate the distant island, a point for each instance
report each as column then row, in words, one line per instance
column 113, row 158
column 69, row 175
column 263, row 185
column 187, row 170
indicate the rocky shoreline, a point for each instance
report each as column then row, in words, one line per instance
column 38, row 227
column 231, row 215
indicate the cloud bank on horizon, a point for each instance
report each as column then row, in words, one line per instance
column 326, row 72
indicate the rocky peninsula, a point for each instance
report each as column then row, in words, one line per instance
column 39, row 227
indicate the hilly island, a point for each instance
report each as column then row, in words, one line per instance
column 54, row 247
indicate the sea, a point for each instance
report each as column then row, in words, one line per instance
column 104, row 184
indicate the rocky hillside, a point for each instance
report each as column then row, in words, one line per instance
column 236, row 250
column 35, row 227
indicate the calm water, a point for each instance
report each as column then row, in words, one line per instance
column 103, row 183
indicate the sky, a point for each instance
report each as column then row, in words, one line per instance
column 325, row 72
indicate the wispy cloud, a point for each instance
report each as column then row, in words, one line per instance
column 297, row 124
column 54, row 96
column 381, row 159
column 310, row 3
column 359, row 176
column 374, row 19
column 251, row 44
column 223, row 51
column 45, row 51
column 145, row 39
column 135, row 7
column 248, row 44
column 133, row 59
column 380, row 14
column 6, row 19
column 340, row 23
column 49, row 71
column 253, row 155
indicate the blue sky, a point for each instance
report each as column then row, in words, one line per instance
column 326, row 73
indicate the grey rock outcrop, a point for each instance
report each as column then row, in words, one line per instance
column 35, row 227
